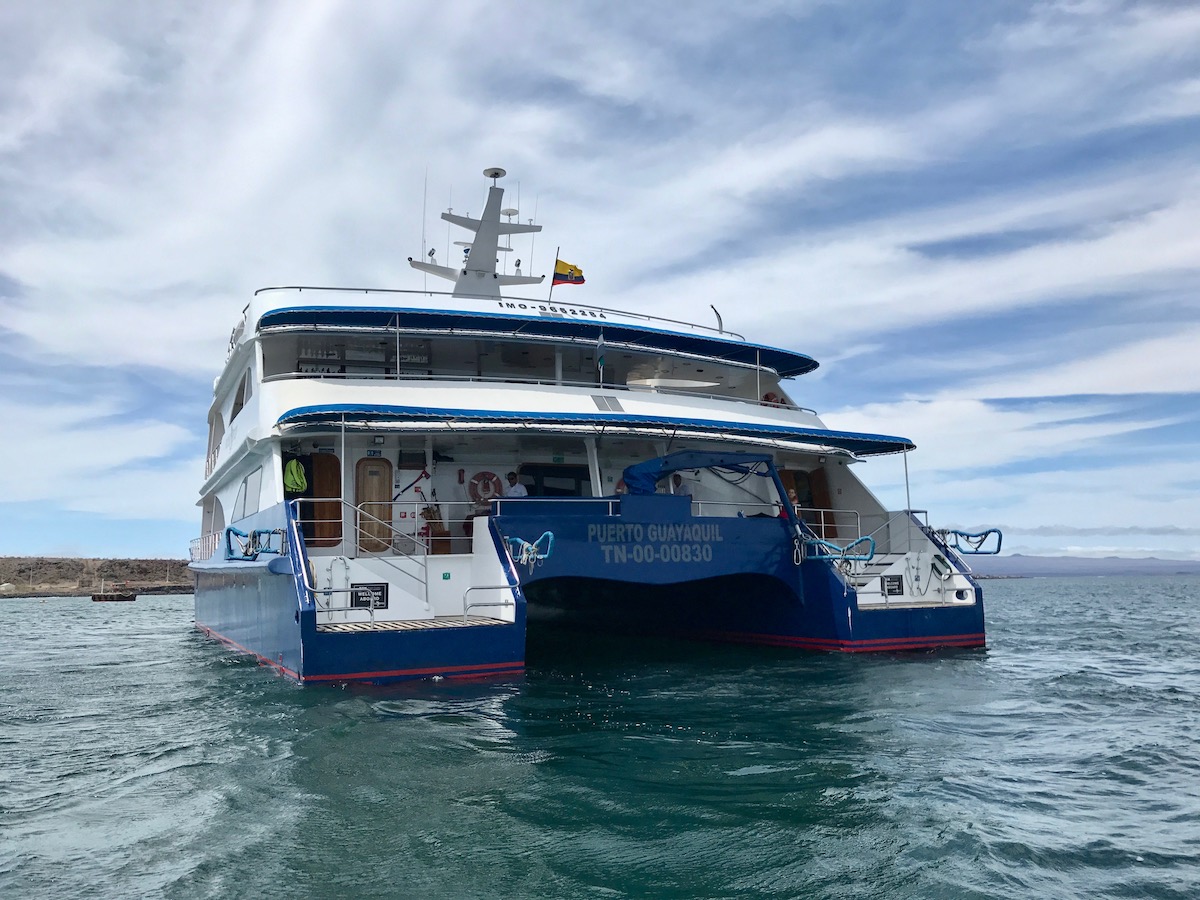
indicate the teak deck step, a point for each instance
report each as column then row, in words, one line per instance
column 410, row 625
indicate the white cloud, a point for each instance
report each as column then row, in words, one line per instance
column 976, row 465
column 90, row 458
column 1165, row 364
column 964, row 434
column 157, row 166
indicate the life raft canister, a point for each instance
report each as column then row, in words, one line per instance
column 484, row 486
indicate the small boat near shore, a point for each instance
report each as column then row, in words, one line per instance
column 396, row 477
column 124, row 595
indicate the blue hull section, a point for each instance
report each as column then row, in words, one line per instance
column 260, row 607
column 482, row 651
column 256, row 612
column 654, row 567
column 247, row 607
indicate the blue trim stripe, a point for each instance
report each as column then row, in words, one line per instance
column 551, row 326
column 330, row 414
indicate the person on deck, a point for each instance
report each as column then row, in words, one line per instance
column 515, row 488
column 679, row 487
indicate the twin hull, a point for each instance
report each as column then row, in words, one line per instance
column 640, row 563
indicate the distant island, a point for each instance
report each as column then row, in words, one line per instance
column 41, row 576
column 1018, row 566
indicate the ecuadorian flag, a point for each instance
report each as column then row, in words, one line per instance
column 565, row 273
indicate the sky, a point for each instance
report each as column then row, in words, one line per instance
column 983, row 219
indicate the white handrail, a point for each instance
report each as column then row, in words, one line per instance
column 512, row 601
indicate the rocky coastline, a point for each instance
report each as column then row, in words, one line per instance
column 41, row 576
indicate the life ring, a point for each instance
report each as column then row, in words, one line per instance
column 484, row 487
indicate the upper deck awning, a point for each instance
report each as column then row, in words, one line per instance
column 546, row 326
column 370, row 417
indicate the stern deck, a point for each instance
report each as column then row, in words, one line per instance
column 410, row 624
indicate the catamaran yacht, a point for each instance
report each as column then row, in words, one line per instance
column 398, row 481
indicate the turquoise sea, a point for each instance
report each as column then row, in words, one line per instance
column 138, row 759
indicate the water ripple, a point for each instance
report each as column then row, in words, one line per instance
column 139, row 759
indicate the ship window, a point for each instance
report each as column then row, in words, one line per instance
column 247, row 500
column 242, row 396
column 253, row 487
column 556, row 480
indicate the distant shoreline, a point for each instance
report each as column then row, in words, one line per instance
column 23, row 577
column 1020, row 566
column 49, row 576
column 165, row 590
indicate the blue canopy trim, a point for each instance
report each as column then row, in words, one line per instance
column 359, row 415
column 643, row 477
column 541, row 328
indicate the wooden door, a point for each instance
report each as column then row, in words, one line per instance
column 818, row 483
column 326, row 511
column 373, row 497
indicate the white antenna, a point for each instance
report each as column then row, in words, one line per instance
column 478, row 273
column 424, row 204
column 509, row 213
column 533, row 236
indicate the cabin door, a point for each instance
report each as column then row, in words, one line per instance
column 373, row 497
column 326, row 512
column 818, row 483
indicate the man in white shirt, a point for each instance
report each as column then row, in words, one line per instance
column 515, row 488
column 681, row 487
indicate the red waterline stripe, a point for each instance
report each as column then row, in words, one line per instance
column 262, row 660
column 864, row 646
column 478, row 670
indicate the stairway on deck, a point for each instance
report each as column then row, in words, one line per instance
column 869, row 572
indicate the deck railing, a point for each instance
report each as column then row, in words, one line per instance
column 205, row 546
column 455, row 295
column 517, row 378
column 210, row 461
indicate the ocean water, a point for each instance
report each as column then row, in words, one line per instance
column 138, row 759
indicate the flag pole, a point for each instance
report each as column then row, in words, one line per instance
column 553, row 273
